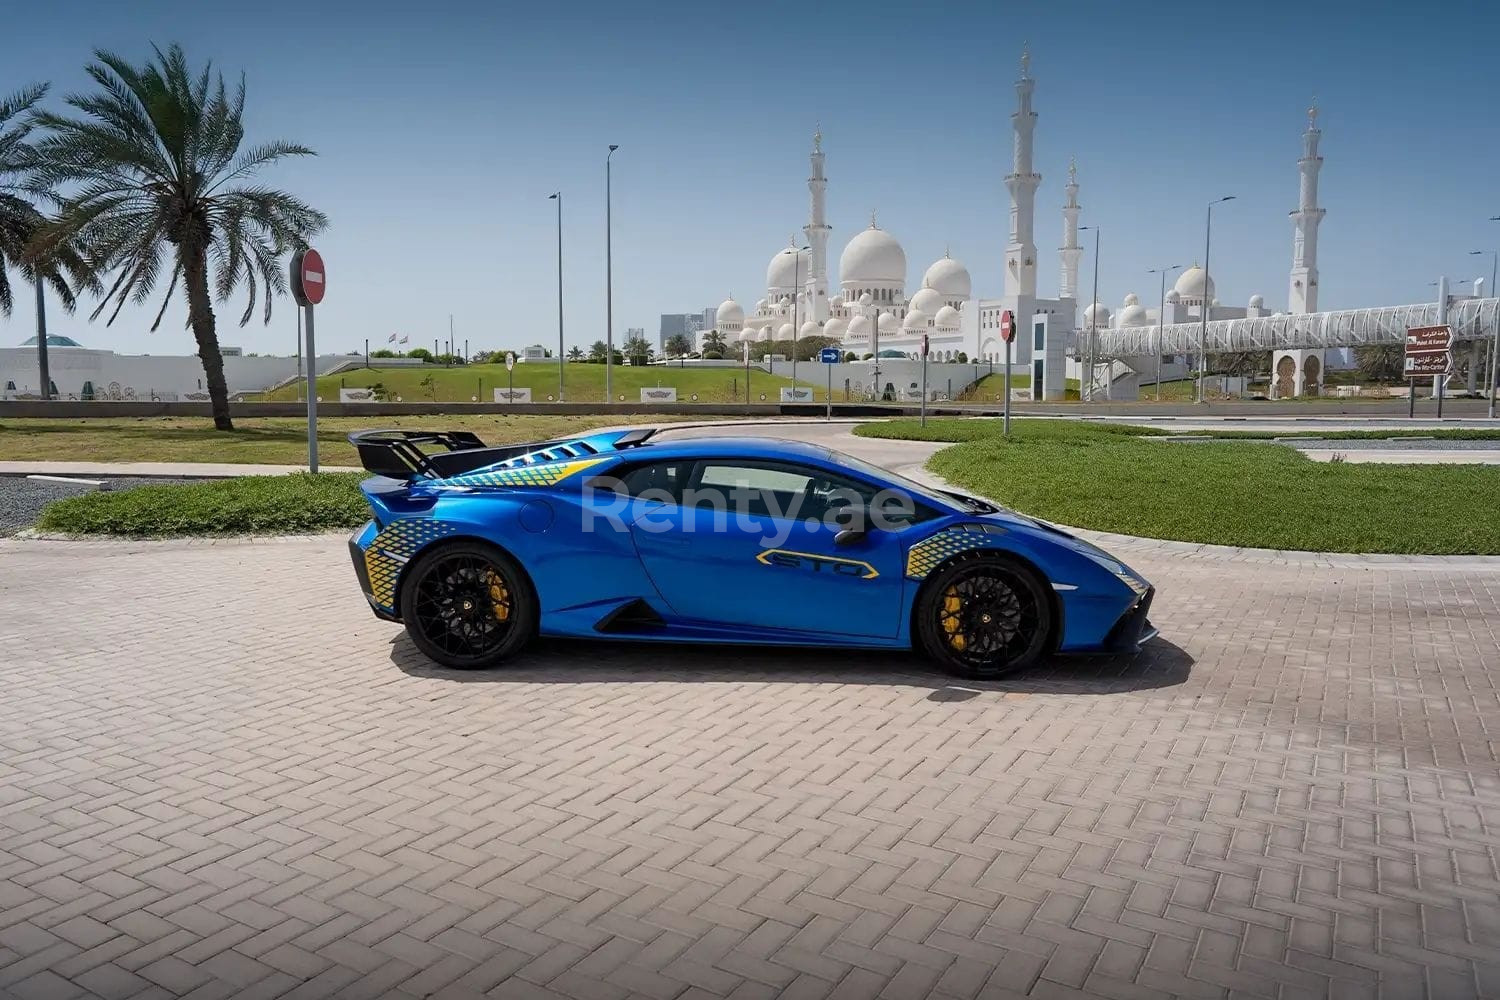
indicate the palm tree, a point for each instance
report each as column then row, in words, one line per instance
column 20, row 221
column 679, row 344
column 598, row 352
column 713, row 344
column 157, row 169
column 574, row 353
column 638, row 350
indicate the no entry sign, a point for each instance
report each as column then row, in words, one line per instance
column 1007, row 326
column 309, row 280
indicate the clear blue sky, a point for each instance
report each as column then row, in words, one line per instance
column 442, row 127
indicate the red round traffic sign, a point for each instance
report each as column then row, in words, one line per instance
column 1007, row 326
column 311, row 277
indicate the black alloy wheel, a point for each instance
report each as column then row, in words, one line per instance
column 467, row 605
column 984, row 616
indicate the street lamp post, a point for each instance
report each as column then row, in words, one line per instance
column 1495, row 336
column 1092, row 345
column 1208, row 230
column 1161, row 318
column 557, row 197
column 609, row 281
column 796, row 330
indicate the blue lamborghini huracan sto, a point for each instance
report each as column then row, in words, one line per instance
column 623, row 535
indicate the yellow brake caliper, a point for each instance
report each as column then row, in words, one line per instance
column 499, row 596
column 952, row 604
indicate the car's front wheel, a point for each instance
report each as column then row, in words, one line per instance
column 984, row 615
column 467, row 605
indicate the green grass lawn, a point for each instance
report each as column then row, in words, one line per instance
column 264, row 440
column 251, row 505
column 1112, row 477
column 582, row 383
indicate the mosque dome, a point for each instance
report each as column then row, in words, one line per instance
column 748, row 333
column 836, row 302
column 809, row 329
column 1132, row 299
column 1257, row 302
column 858, row 330
column 865, row 299
column 927, row 299
column 947, row 318
column 784, row 273
column 836, row 328
column 786, row 332
column 888, row 323
column 873, row 255
column 1096, row 315
column 1134, row 314
column 760, row 304
column 53, row 340
column 730, row 313
column 1190, row 284
column 949, row 278
column 916, row 321
column 1172, row 297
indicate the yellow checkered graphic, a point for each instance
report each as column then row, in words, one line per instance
column 545, row 474
column 392, row 547
column 925, row 556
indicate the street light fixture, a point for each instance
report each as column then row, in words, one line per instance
column 609, row 284
column 1495, row 337
column 1092, row 347
column 796, row 330
column 1208, row 231
column 557, row 197
column 1161, row 319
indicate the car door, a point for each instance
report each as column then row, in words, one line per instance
column 753, row 543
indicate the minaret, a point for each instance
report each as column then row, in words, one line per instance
column 1304, row 291
column 817, row 230
column 1071, row 252
column 1020, row 254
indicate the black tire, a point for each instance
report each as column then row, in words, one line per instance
column 983, row 616
column 467, row 605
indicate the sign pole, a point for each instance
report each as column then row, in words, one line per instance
column 924, row 380
column 1411, row 399
column 1007, row 388
column 829, row 398
column 312, row 395
column 309, row 283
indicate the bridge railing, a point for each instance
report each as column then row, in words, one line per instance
column 1471, row 319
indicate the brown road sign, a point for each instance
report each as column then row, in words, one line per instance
column 1425, row 339
column 1428, row 363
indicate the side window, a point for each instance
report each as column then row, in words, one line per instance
column 783, row 490
column 662, row 481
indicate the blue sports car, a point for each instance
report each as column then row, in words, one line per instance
column 623, row 535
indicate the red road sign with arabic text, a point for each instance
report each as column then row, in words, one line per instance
column 1426, row 339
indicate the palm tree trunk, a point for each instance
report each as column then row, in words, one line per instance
column 201, row 318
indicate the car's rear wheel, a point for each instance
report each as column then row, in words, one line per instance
column 983, row 616
column 467, row 605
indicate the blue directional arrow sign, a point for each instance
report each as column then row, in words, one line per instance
column 830, row 356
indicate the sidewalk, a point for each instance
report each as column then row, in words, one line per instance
column 185, row 470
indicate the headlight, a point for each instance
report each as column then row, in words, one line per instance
column 1120, row 572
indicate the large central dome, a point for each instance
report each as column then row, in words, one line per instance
column 1190, row 284
column 873, row 256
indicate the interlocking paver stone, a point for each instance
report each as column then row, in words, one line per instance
column 220, row 776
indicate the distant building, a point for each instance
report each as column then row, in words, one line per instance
column 688, row 324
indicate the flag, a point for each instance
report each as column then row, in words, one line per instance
column 391, row 339
column 403, row 340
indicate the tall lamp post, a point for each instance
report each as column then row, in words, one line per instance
column 1208, row 231
column 1161, row 318
column 1494, row 337
column 609, row 281
column 796, row 330
column 1092, row 345
column 557, row 197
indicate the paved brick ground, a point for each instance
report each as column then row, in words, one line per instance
column 220, row 776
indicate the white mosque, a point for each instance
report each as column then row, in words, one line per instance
column 871, row 310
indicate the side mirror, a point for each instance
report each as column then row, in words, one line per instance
column 848, row 536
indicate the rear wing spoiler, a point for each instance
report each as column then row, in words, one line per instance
column 400, row 454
